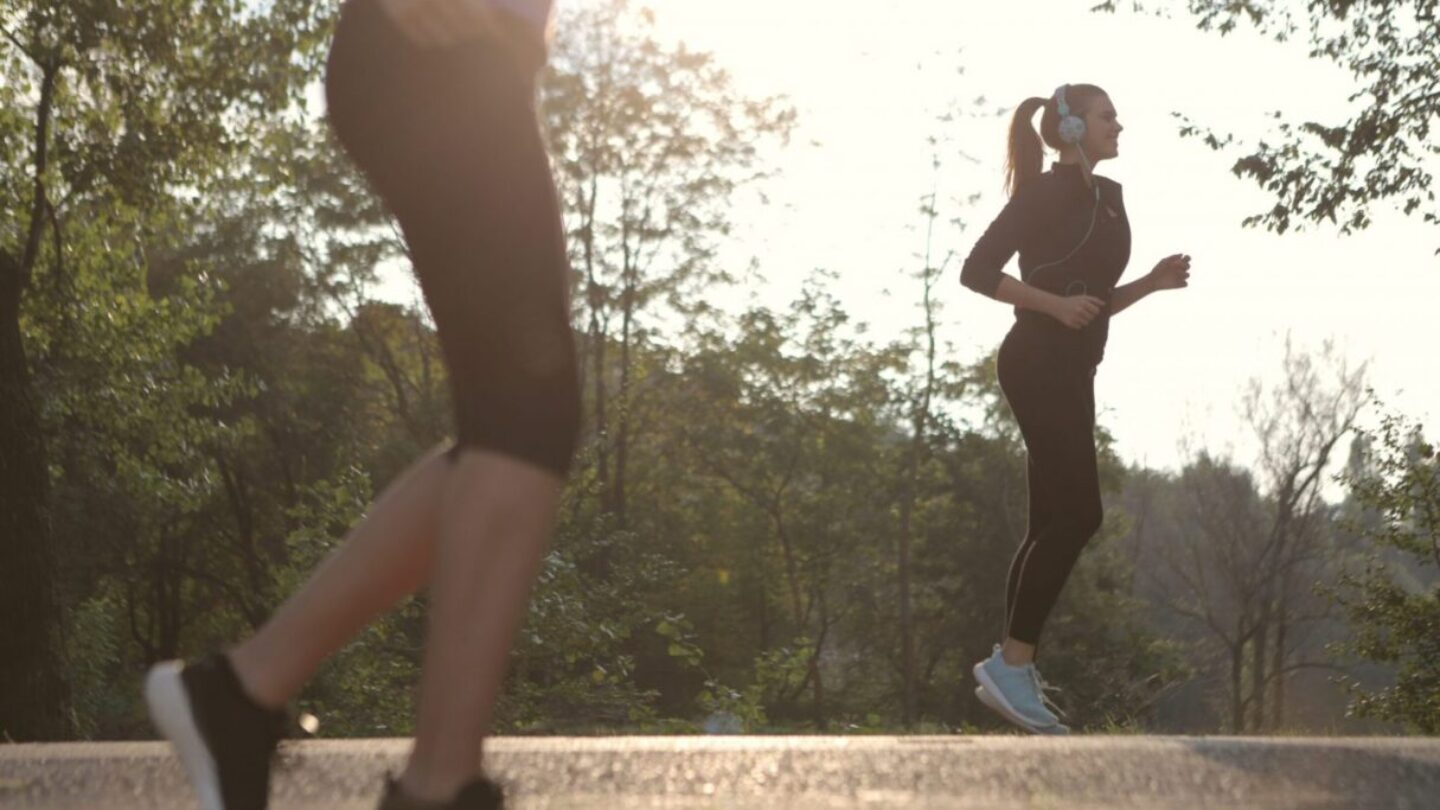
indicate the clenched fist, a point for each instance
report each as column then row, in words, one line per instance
column 1171, row 272
column 1076, row 311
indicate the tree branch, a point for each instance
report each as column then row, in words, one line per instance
column 51, row 70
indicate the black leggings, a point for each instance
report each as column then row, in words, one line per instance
column 450, row 140
column 1051, row 391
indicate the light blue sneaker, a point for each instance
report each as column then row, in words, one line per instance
column 1018, row 695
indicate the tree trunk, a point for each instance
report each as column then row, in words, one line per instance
column 907, row 512
column 792, row 565
column 622, row 430
column 764, row 613
column 910, row 485
column 817, row 679
column 597, row 338
column 602, row 440
column 907, row 617
column 1237, row 704
column 34, row 695
column 1258, row 664
column 1277, row 668
column 32, row 683
column 907, row 620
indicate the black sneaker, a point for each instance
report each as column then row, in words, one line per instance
column 482, row 794
column 224, row 740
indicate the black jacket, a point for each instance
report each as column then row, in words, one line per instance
column 1044, row 221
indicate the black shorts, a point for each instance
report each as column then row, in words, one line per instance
column 450, row 140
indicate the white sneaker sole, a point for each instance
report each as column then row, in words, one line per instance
column 171, row 712
column 1057, row 730
column 990, row 694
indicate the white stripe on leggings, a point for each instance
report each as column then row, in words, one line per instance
column 1019, row 579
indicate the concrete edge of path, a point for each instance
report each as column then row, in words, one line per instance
column 558, row 773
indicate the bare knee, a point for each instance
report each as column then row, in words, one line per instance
column 499, row 494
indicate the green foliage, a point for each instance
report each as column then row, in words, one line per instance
column 745, row 706
column 602, row 640
column 782, row 671
column 95, row 657
column 1337, row 171
column 1393, row 602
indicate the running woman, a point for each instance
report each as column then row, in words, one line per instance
column 1069, row 227
column 434, row 100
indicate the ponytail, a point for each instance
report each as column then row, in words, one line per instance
column 1027, row 151
column 1026, row 155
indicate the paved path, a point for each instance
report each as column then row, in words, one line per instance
column 793, row 773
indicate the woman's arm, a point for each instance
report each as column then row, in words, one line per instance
column 1171, row 273
column 1127, row 294
column 1074, row 311
column 983, row 269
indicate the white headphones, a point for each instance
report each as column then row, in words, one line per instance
column 1072, row 127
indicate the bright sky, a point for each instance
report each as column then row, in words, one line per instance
column 1176, row 364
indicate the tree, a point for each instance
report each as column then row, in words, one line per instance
column 1393, row 602
column 1252, row 544
column 650, row 142
column 106, row 108
column 1210, row 573
column 920, row 415
column 933, row 384
column 1298, row 423
column 216, row 426
column 790, row 418
column 1383, row 152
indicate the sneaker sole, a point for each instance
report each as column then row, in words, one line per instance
column 1057, row 730
column 993, row 698
column 172, row 715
